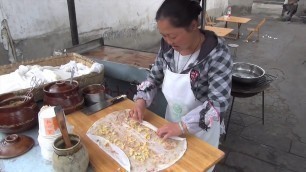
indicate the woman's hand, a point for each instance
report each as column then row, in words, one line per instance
column 169, row 130
column 137, row 113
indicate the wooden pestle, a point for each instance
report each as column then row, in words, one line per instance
column 60, row 116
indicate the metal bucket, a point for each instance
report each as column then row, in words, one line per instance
column 93, row 93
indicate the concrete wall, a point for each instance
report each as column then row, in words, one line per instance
column 31, row 18
column 241, row 7
column 40, row 27
column 216, row 8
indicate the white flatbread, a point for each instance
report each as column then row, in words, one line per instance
column 135, row 146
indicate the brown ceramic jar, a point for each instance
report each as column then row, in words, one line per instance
column 17, row 113
column 64, row 94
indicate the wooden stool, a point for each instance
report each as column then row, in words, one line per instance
column 255, row 30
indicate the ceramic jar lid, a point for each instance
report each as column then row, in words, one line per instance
column 14, row 145
column 61, row 86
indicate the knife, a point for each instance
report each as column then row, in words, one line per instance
column 102, row 105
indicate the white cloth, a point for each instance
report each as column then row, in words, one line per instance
column 177, row 91
column 81, row 69
column 21, row 77
column 69, row 66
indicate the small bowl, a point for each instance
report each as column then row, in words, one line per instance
column 93, row 93
column 247, row 73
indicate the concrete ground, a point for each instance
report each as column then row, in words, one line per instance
column 280, row 144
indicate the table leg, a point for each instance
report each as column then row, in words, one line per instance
column 263, row 107
column 238, row 34
column 229, row 118
column 225, row 24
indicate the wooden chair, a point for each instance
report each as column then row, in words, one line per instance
column 255, row 30
column 208, row 21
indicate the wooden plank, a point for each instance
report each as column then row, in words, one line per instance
column 234, row 19
column 199, row 156
column 220, row 31
column 124, row 56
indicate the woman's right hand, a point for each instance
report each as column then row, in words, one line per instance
column 137, row 113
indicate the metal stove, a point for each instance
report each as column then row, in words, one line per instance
column 242, row 90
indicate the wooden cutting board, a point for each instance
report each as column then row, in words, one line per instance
column 200, row 156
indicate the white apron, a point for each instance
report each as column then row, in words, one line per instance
column 181, row 100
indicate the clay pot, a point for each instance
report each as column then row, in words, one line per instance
column 93, row 93
column 74, row 159
column 64, row 94
column 17, row 115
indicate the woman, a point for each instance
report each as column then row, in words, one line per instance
column 193, row 69
column 290, row 6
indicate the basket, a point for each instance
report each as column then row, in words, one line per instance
column 84, row 80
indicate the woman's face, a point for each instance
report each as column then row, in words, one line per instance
column 178, row 37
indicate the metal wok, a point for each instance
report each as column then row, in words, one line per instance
column 247, row 73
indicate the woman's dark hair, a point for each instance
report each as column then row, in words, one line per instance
column 179, row 12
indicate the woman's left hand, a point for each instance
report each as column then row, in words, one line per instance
column 169, row 130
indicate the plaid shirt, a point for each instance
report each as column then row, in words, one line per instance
column 210, row 79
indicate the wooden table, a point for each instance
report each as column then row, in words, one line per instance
column 124, row 56
column 233, row 19
column 199, row 156
column 219, row 30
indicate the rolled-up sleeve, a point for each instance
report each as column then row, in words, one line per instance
column 148, row 88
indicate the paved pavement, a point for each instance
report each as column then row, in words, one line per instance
column 280, row 144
